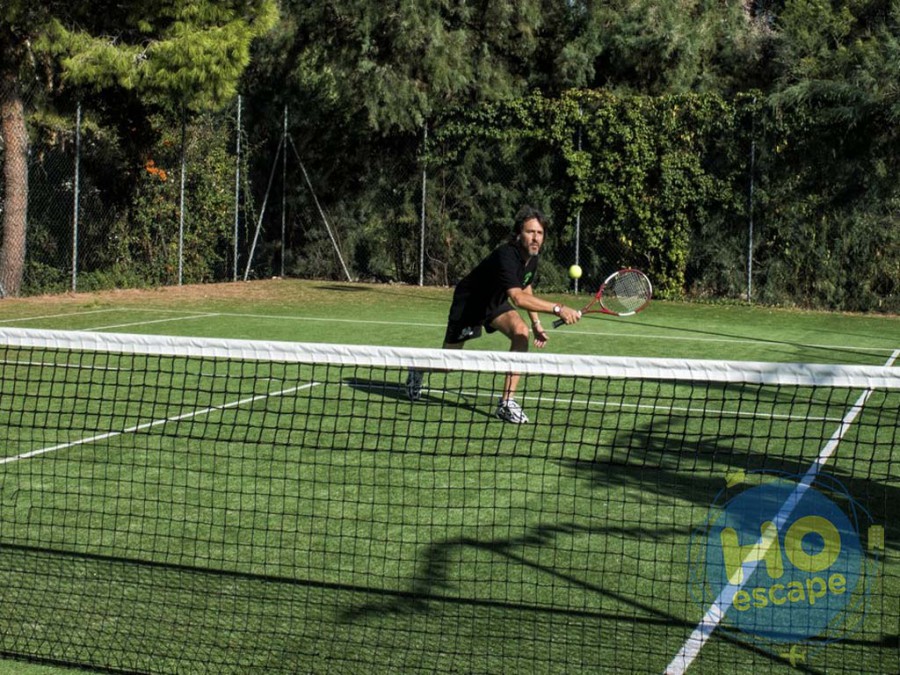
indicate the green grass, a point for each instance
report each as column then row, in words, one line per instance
column 443, row 549
column 411, row 316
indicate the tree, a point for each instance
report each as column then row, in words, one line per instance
column 828, row 169
column 15, row 179
column 661, row 47
column 20, row 23
column 179, row 54
column 397, row 62
column 182, row 54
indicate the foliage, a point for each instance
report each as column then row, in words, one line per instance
column 182, row 54
column 673, row 134
column 663, row 130
column 660, row 48
column 637, row 164
column 133, row 243
column 393, row 64
column 149, row 238
column 171, row 54
column 664, row 183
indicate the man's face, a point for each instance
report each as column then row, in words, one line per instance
column 531, row 237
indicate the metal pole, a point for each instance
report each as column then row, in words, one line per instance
column 237, row 190
column 577, row 243
column 181, row 204
column 328, row 229
column 750, row 203
column 262, row 211
column 284, row 190
column 77, row 198
column 578, row 215
column 422, row 225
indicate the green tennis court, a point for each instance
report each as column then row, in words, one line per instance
column 243, row 512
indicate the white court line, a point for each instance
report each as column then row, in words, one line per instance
column 146, row 323
column 679, row 409
column 80, row 366
column 61, row 316
column 55, row 364
column 117, row 309
column 716, row 612
column 569, row 330
column 590, row 403
column 154, row 423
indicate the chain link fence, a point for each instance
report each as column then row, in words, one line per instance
column 236, row 195
column 218, row 199
column 98, row 218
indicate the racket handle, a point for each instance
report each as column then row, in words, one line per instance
column 560, row 322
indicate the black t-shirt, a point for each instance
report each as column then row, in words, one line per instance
column 485, row 289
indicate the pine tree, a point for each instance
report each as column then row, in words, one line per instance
column 20, row 21
column 396, row 62
column 185, row 55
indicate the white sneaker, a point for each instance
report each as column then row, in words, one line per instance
column 414, row 385
column 510, row 411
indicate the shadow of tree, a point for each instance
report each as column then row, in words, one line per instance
column 658, row 463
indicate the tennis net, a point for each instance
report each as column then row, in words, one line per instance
column 194, row 505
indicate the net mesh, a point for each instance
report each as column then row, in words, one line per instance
column 187, row 505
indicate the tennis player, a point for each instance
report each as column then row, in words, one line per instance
column 489, row 296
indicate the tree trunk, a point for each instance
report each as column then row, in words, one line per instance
column 13, row 219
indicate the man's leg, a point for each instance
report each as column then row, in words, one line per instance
column 511, row 325
column 415, row 378
column 414, row 384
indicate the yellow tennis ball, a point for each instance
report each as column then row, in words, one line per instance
column 575, row 271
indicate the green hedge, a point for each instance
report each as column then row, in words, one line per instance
column 673, row 184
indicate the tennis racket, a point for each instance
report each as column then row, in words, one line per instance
column 624, row 293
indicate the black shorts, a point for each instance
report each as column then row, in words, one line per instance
column 462, row 327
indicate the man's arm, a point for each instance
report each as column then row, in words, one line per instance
column 535, row 319
column 537, row 330
column 525, row 299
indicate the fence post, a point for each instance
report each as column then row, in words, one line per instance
column 750, row 202
column 578, row 215
column 76, row 197
column 283, row 191
column 422, row 224
column 237, row 190
column 181, row 202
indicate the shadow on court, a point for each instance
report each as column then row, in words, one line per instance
column 652, row 630
column 447, row 398
column 342, row 289
column 637, row 481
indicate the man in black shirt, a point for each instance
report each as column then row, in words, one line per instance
column 484, row 298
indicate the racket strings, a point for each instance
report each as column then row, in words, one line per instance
column 627, row 292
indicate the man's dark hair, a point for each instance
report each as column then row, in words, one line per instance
column 525, row 214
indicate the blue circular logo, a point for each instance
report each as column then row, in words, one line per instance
column 784, row 559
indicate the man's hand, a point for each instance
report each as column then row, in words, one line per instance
column 569, row 315
column 540, row 335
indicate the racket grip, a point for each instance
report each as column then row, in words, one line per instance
column 560, row 322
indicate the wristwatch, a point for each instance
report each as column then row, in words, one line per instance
column 557, row 309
